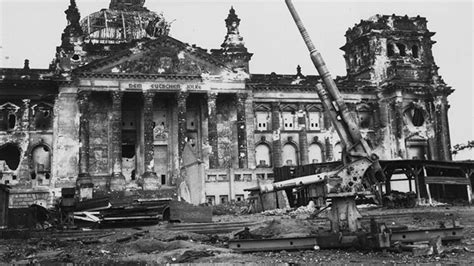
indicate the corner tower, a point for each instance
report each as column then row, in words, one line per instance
column 392, row 56
column 233, row 50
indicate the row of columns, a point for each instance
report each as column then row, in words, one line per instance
column 150, row 180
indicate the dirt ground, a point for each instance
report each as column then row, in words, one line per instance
column 157, row 245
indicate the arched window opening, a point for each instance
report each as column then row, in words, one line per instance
column 41, row 158
column 390, row 50
column 262, row 155
column 415, row 115
column 315, row 153
column 10, row 154
column 418, row 117
column 401, row 49
column 414, row 51
column 289, row 155
column 43, row 118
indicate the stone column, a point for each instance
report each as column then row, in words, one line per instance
column 432, row 138
column 117, row 181
column 329, row 150
column 181, row 98
column 303, row 135
column 242, row 130
column 25, row 118
column 212, row 130
column 396, row 113
column 250, row 124
column 150, row 180
column 445, row 138
column 84, row 180
column 276, row 149
column 442, row 128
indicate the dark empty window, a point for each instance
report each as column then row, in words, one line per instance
column 414, row 51
column 163, row 179
column 43, row 118
column 390, row 51
column 10, row 153
column 128, row 151
column 401, row 49
column 418, row 117
column 11, row 121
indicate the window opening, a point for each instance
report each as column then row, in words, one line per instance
column 418, row 118
column 401, row 49
column 390, row 50
column 128, row 151
column 414, row 51
column 211, row 200
column 10, row 153
column 247, row 177
column 224, row 199
column 11, row 121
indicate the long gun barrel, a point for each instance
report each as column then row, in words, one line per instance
column 330, row 96
column 354, row 146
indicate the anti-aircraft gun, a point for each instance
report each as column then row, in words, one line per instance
column 360, row 172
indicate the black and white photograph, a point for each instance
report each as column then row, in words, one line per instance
column 150, row 132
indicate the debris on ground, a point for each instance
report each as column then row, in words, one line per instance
column 156, row 244
column 397, row 199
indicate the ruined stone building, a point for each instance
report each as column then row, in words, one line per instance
column 124, row 106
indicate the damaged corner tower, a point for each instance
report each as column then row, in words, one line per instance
column 392, row 56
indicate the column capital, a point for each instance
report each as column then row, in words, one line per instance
column 182, row 95
column 149, row 94
column 301, row 106
column 83, row 99
column 117, row 96
column 275, row 106
column 211, row 95
column 83, row 94
column 242, row 96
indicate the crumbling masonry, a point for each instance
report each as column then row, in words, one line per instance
column 126, row 107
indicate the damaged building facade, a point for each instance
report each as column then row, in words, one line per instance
column 124, row 107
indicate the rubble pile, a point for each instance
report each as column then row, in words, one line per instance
column 308, row 209
column 286, row 228
column 232, row 208
column 397, row 199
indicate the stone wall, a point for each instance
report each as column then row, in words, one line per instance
column 23, row 198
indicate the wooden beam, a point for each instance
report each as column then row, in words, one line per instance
column 430, row 201
column 469, row 188
column 447, row 180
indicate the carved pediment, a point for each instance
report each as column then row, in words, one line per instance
column 163, row 55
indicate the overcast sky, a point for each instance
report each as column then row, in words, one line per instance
column 32, row 29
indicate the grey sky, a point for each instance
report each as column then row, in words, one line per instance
column 32, row 29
